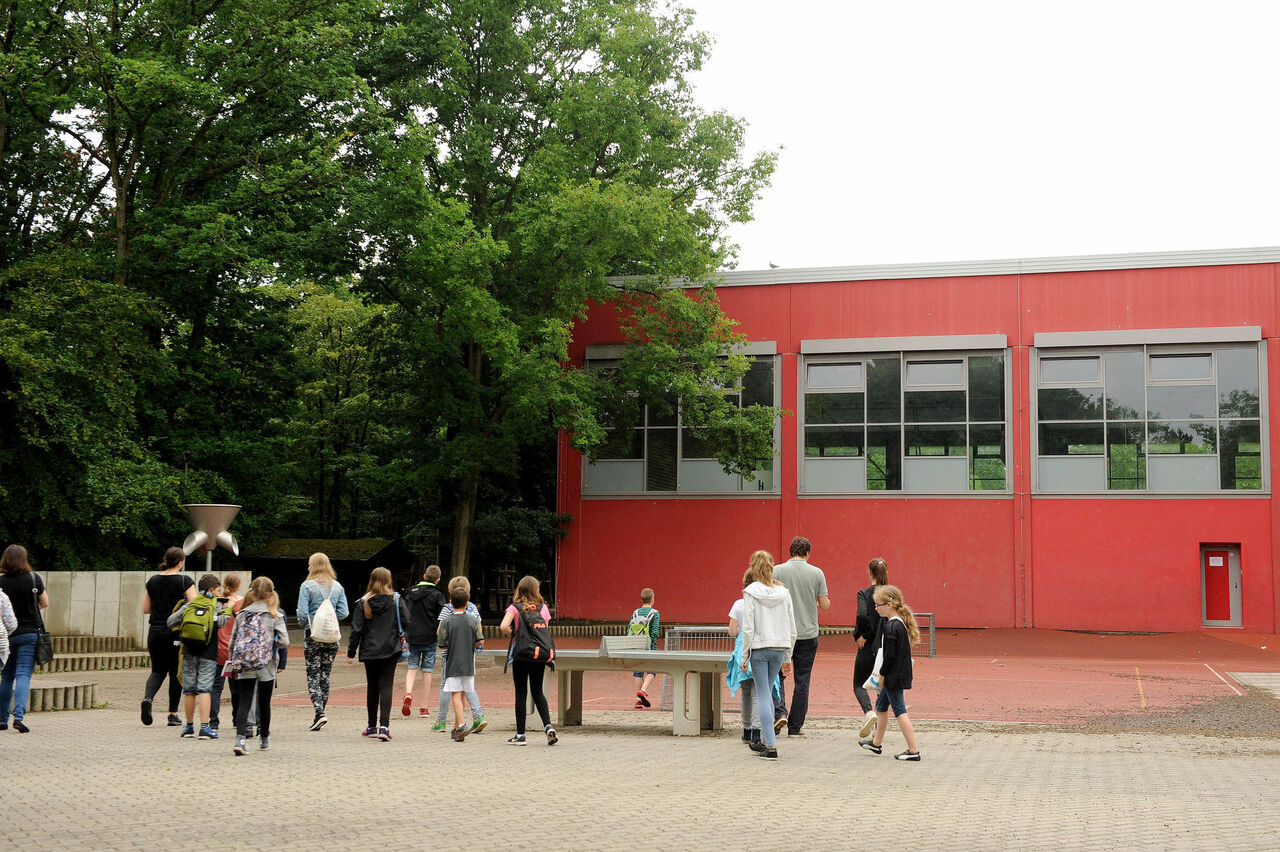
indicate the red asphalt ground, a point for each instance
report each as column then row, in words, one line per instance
column 1010, row 675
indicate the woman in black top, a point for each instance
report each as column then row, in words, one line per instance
column 866, row 631
column 26, row 592
column 164, row 591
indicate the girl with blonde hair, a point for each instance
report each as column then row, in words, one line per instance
column 898, row 632
column 261, row 604
column 321, row 585
column 768, row 634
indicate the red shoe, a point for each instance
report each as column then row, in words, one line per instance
column 408, row 702
column 424, row 713
column 642, row 699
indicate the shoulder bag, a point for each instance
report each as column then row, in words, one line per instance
column 44, row 642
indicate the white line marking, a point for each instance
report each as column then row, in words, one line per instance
column 1223, row 679
column 995, row 660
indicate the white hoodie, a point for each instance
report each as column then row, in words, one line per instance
column 768, row 620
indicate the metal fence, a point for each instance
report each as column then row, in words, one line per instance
column 697, row 637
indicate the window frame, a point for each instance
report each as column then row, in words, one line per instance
column 762, row 351
column 1149, row 348
column 905, row 356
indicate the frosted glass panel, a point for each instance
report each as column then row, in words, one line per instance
column 706, row 475
column 1087, row 473
column 835, row 475
column 613, row 477
column 935, row 475
column 1182, row 473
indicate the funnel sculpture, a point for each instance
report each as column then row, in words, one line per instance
column 211, row 521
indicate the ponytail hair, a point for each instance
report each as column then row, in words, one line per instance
column 173, row 557
column 879, row 571
column 762, row 567
column 262, row 589
column 892, row 595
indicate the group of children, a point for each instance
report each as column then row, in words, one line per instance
column 223, row 636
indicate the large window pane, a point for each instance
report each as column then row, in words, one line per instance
column 826, row 441
column 833, row 408
column 884, row 390
column 935, row 373
column 660, row 469
column 884, row 458
column 757, row 384
column 986, row 457
column 935, row 441
column 623, row 444
column 1126, row 386
column 1084, row 403
column 1237, row 383
column 935, row 406
column 986, row 388
column 1241, row 455
column 1071, row 439
column 693, row 447
column 835, row 375
column 1181, row 437
column 1181, row 368
column 1185, row 402
column 1126, row 456
column 1069, row 370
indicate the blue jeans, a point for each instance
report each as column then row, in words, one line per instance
column 422, row 658
column 22, row 660
column 892, row 697
column 766, row 663
column 802, row 655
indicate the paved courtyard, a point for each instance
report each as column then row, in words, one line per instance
column 99, row 780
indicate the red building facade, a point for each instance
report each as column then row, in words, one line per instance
column 1075, row 443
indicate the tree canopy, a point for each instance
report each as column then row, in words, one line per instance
column 326, row 260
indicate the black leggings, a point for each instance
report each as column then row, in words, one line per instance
column 163, row 648
column 244, row 688
column 380, row 676
column 528, row 678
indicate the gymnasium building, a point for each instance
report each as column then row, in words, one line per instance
column 1078, row 443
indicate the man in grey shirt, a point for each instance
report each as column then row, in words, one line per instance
column 808, row 587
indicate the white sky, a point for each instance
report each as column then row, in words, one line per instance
column 964, row 130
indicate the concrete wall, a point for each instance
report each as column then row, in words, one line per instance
column 104, row 603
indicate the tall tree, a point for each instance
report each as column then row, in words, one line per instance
column 563, row 163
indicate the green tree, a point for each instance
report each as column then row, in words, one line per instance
column 562, row 163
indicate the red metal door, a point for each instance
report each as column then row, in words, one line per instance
column 1217, row 586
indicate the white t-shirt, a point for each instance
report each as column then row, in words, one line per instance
column 735, row 611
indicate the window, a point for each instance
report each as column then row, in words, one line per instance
column 904, row 422
column 657, row 454
column 1149, row 418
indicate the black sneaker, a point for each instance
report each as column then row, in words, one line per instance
column 146, row 711
column 870, row 746
column 552, row 739
column 907, row 755
column 320, row 721
column 768, row 754
column 174, row 721
column 757, row 746
column 518, row 739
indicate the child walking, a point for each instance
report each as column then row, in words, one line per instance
column 644, row 622
column 528, row 676
column 461, row 636
column 377, row 623
column 898, row 633
column 478, row 721
column 258, row 634
column 425, row 602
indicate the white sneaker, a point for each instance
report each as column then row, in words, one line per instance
column 868, row 725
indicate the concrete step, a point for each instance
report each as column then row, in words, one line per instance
column 97, row 662
column 60, row 695
column 91, row 644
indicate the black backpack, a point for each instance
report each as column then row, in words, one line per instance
column 531, row 642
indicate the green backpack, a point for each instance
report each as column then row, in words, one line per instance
column 199, row 622
column 639, row 624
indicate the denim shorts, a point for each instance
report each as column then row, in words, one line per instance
column 422, row 658
column 197, row 675
column 892, row 697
